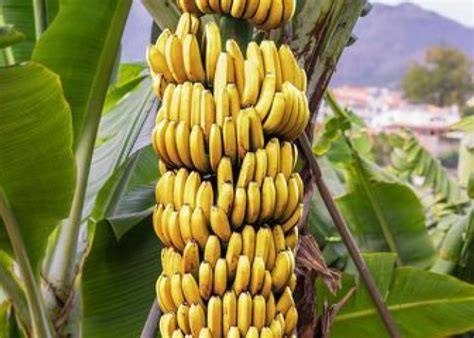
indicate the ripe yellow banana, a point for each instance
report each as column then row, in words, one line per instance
column 279, row 238
column 159, row 142
column 162, row 39
column 250, row 8
column 220, row 224
column 206, row 275
column 237, row 215
column 205, row 333
column 234, row 100
column 213, row 48
column 198, row 152
column 197, row 318
column 226, row 197
column 165, row 188
column 266, row 333
column 167, row 100
column 229, row 134
column 260, row 166
column 179, row 186
column 259, row 311
column 243, row 133
column 291, row 239
column 267, row 285
column 273, row 157
column 177, row 290
column 182, row 143
column 224, row 73
column 185, row 103
column 252, row 332
column 293, row 199
column 225, row 7
column 164, row 291
column 224, row 172
column 244, row 312
column 220, row 277
column 205, row 198
column 198, row 88
column 212, row 251
column 291, row 222
column 253, row 203
column 300, row 183
column 274, row 16
column 271, row 258
column 289, row 7
column 251, row 86
column 168, row 324
column 295, row 113
column 229, row 315
column 215, row 146
column 191, row 257
column 281, row 192
column 204, row 7
column 258, row 275
column 242, row 275
column 157, row 226
column 191, row 188
column 174, row 58
column 233, row 252
column 291, row 69
column 191, row 290
column 291, row 319
column 276, row 329
column 184, row 25
column 282, row 270
column 174, row 232
column 262, row 11
column 215, row 6
column 248, row 242
column 247, row 170
column 257, row 138
column 267, row 93
column 214, row 316
column 236, row 56
column 199, row 227
column 182, row 316
column 238, row 7
column 262, row 243
column 157, row 62
column 222, row 107
column 276, row 114
column 188, row 6
column 292, row 282
column 268, row 199
column 170, row 142
column 303, row 80
column 271, row 309
column 208, row 112
column 254, row 53
column 175, row 103
column 286, row 159
column 158, row 85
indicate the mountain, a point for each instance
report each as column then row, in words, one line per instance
column 391, row 37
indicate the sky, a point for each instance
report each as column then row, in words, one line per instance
column 460, row 10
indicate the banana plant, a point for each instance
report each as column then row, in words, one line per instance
column 78, row 256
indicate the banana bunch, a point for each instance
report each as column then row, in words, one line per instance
column 228, row 200
column 265, row 14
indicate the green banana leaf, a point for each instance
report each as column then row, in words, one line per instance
column 36, row 159
column 9, row 35
column 82, row 53
column 384, row 214
column 423, row 304
column 20, row 14
column 118, row 282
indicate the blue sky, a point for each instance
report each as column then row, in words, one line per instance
column 459, row 10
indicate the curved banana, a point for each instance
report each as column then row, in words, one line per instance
column 206, row 276
column 224, row 74
column 191, row 290
column 198, row 88
column 238, row 212
column 291, row 319
column 174, row 232
column 204, row 7
column 182, row 135
column 281, row 271
column 214, row 316
column 205, row 198
column 257, row 138
column 212, row 250
column 259, row 311
column 267, row 93
column 243, row 133
column 257, row 276
column 170, row 142
column 213, row 48
column 177, row 290
column 159, row 142
column 224, row 173
column 276, row 114
column 174, row 58
column 293, row 199
column 286, row 159
column 229, row 135
column 268, row 199
column 271, row 309
column 251, row 86
column 185, row 102
column 184, row 25
column 260, row 166
column 291, row 222
column 191, row 257
column 250, row 9
column 229, row 313
column 226, row 197
column 233, row 252
column 281, row 193
column 253, row 203
column 267, row 285
column 220, row 277
column 244, row 312
column 198, row 153
column 273, row 157
column 157, row 226
column 197, row 318
column 242, row 275
column 179, row 186
column 262, row 11
column 238, row 7
column 291, row 239
column 222, row 106
column 215, row 146
column 208, row 112
column 191, row 188
column 279, row 238
column 248, row 242
column 255, row 54
column 289, row 7
column 199, row 227
column 168, row 324
column 157, row 62
column 220, row 224
column 182, row 317
column 233, row 50
column 274, row 17
column 262, row 243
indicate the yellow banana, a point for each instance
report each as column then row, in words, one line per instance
column 158, row 85
column 243, row 133
column 162, row 39
column 292, row 282
column 291, row 222
column 215, row 146
column 165, row 188
column 225, row 7
column 274, row 16
column 229, row 135
column 198, row 153
column 191, row 188
column 197, row 318
column 205, row 198
column 244, row 312
column 252, row 332
column 262, row 243
column 191, row 290
column 233, row 50
column 257, row 276
column 291, row 239
column 226, row 197
column 267, row 93
column 291, row 319
column 286, row 159
column 215, row 7
column 184, row 25
column 253, row 203
column 259, row 311
column 164, row 289
column 289, row 7
column 276, row 329
column 251, row 86
column 174, row 58
column 282, row 270
column 222, row 107
column 159, row 142
column 167, row 100
column 212, row 250
column 238, row 7
column 182, row 143
column 250, row 8
column 300, row 183
column 288, row 59
column 199, row 227
column 238, row 213
column 290, row 94
column 220, row 224
column 185, row 103
column 247, row 170
column 162, row 167
column 295, row 113
column 273, row 157
column 233, row 252
column 182, row 316
column 191, row 257
column 179, row 186
column 260, row 166
column 248, row 242
column 203, row 6
column 257, row 138
column 279, row 238
column 281, row 193
column 188, row 6
column 177, row 290
column 267, row 285
column 229, row 309
column 271, row 309
column 220, row 277
column 255, row 54
column 303, row 80
column 271, row 258
column 293, row 199
column 262, row 11
column 214, row 316
column 208, row 112
column 303, row 118
column 268, row 199
column 224, row 73
column 224, row 173
column 205, row 333
column 168, row 324
column 157, row 226
column 266, row 333
column 275, row 115
column 175, row 103
column 213, row 49
column 198, row 88
column 157, row 62
column 171, row 147
column 242, row 275
column 234, row 100
column 174, row 232
column 206, row 275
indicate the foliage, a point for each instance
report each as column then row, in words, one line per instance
column 424, row 304
column 445, row 78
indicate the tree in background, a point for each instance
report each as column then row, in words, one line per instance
column 445, row 78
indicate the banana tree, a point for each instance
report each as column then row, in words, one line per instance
column 78, row 256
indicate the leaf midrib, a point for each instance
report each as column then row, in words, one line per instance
column 401, row 307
